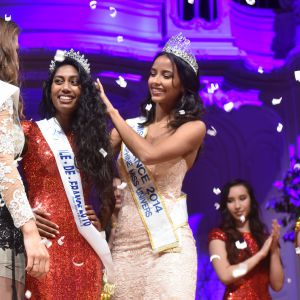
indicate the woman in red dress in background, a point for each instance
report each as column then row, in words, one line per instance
column 244, row 257
column 71, row 101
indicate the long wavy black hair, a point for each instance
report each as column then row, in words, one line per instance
column 189, row 101
column 89, row 128
column 257, row 228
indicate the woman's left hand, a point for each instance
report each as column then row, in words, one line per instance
column 93, row 217
column 275, row 234
column 103, row 97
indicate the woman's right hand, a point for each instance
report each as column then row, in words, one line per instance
column 46, row 228
column 36, row 252
column 264, row 251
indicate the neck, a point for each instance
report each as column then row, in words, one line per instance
column 64, row 122
column 243, row 227
column 162, row 114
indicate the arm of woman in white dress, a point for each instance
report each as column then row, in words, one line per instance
column 228, row 273
column 276, row 269
column 185, row 140
column 13, row 194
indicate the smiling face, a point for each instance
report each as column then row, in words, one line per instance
column 65, row 90
column 238, row 202
column 164, row 82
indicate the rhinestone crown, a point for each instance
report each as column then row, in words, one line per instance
column 61, row 55
column 181, row 47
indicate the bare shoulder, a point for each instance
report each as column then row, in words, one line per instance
column 197, row 128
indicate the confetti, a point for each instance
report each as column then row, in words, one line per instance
column 216, row 191
column 120, row 39
column 93, row 4
column 148, row 107
column 182, row 112
column 191, row 1
column 242, row 218
column 297, row 250
column 121, row 82
column 77, row 264
column 297, row 75
column 214, row 256
column 113, row 12
column 28, row 294
column 276, row 101
column 61, row 240
column 213, row 87
column 240, row 245
column 2, row 203
column 217, row 205
column 250, row 2
column 212, row 131
column 279, row 127
column 240, row 270
column 228, row 106
column 103, row 152
column 122, row 186
column 7, row 18
column 297, row 167
column 39, row 205
column 260, row 70
column 59, row 55
column 289, row 280
column 46, row 242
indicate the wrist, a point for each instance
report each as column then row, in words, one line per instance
column 29, row 228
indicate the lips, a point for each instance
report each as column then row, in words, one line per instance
column 156, row 92
column 65, row 99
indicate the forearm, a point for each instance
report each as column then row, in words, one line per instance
column 276, row 270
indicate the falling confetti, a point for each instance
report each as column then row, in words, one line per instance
column 228, row 106
column 2, row 203
column 59, row 55
column 297, row 250
column 28, row 294
column 191, row 1
column 279, row 127
column 46, row 242
column 113, row 12
column 242, row 219
column 260, row 70
column 120, row 39
column 240, row 270
column 212, row 131
column 276, row 101
column 77, row 264
column 39, row 205
column 250, row 2
column 93, row 4
column 297, row 167
column 103, row 152
column 297, row 75
column 214, row 256
column 289, row 280
column 122, row 186
column 121, row 82
column 7, row 18
column 216, row 191
column 148, row 107
column 60, row 241
column 217, row 205
column 182, row 112
column 240, row 245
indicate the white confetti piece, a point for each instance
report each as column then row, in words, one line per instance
column 213, row 87
column 260, row 70
column 2, row 203
column 212, row 131
column 242, row 219
column 59, row 55
column 103, row 152
column 240, row 270
column 297, row 167
column 120, row 39
column 297, row 75
column 228, row 106
column 148, row 107
column 217, row 205
column 122, row 186
column 113, row 12
column 240, row 245
column 46, row 242
column 28, row 294
column 182, row 112
column 297, row 250
column 191, row 1
column 289, row 280
column 37, row 207
column 60, row 241
column 276, row 101
column 214, row 256
column 250, row 2
column 77, row 264
column 216, row 191
column 279, row 127
column 93, row 4
column 121, row 82
column 7, row 18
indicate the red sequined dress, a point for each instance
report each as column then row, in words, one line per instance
column 255, row 284
column 75, row 269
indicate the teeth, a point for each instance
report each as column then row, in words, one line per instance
column 65, row 98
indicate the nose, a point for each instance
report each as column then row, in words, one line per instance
column 66, row 86
column 156, row 79
column 237, row 205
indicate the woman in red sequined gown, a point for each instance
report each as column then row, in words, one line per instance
column 70, row 97
column 245, row 259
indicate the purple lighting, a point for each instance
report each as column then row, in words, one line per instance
column 128, row 76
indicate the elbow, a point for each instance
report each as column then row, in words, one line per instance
column 146, row 158
column 226, row 280
column 277, row 287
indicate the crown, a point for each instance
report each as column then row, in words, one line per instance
column 181, row 47
column 60, row 55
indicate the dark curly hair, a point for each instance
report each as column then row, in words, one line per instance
column 257, row 228
column 190, row 101
column 89, row 126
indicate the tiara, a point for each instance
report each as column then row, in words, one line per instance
column 181, row 47
column 60, row 55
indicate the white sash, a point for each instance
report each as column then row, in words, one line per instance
column 71, row 179
column 159, row 224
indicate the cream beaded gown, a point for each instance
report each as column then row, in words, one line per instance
column 141, row 274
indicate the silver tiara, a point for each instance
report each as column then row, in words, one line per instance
column 60, row 55
column 181, row 47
